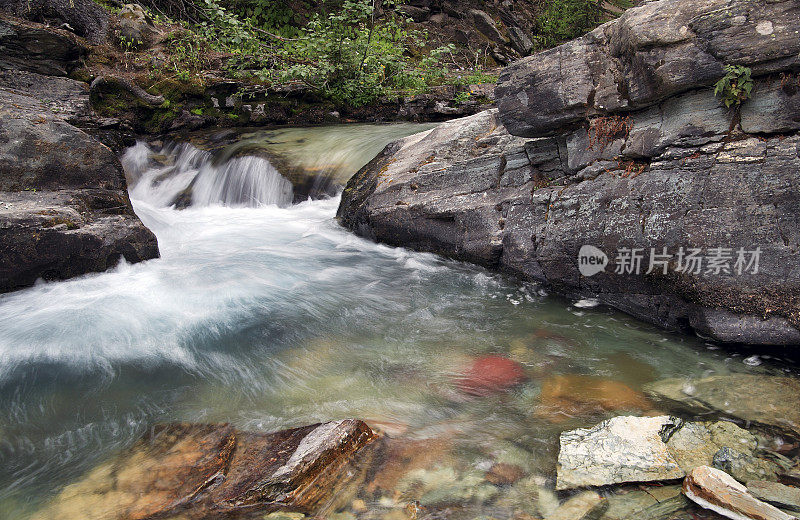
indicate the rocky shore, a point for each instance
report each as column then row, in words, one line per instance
column 617, row 142
column 64, row 206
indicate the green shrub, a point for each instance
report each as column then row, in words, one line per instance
column 735, row 86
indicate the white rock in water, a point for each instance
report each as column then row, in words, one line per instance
column 621, row 449
column 716, row 490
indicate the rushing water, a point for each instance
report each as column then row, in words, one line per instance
column 273, row 316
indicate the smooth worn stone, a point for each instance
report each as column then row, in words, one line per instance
column 587, row 505
column 770, row 401
column 470, row 191
column 563, row 396
column 64, row 206
column 616, row 141
column 716, row 490
column 618, row 450
column 779, row 495
column 490, row 375
column 210, row 471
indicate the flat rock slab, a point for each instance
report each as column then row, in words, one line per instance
column 204, row 471
column 773, row 402
column 716, row 490
column 643, row 449
column 622, row 449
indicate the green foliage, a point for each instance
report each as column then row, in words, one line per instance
column 462, row 97
column 562, row 20
column 736, row 86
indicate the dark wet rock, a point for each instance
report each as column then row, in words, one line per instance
column 783, row 497
column 616, row 141
column 490, row 375
column 644, row 449
column 84, row 17
column 768, row 401
column 716, row 490
column 64, row 208
column 35, row 48
column 205, row 471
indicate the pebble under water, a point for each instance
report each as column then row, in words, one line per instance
column 273, row 316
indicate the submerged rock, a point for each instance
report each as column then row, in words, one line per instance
column 642, row 449
column 563, row 396
column 716, row 490
column 587, row 505
column 765, row 400
column 652, row 503
column 636, row 163
column 214, row 471
column 490, row 375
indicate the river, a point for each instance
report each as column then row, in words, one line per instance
column 269, row 315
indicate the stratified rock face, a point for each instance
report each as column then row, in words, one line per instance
column 650, row 53
column 212, row 471
column 668, row 172
column 64, row 207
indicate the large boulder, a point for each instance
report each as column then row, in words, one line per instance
column 212, row 471
column 64, row 208
column 649, row 53
column 715, row 205
column 35, row 48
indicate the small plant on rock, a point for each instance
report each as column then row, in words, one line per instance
column 736, row 86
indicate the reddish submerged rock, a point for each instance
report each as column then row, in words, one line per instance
column 491, row 375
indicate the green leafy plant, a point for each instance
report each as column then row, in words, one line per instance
column 736, row 85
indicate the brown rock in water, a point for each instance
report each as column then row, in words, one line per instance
column 570, row 395
column 205, row 471
column 503, row 473
column 716, row 490
column 403, row 456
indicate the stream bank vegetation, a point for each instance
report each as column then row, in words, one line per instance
column 348, row 52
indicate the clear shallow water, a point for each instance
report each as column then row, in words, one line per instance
column 271, row 317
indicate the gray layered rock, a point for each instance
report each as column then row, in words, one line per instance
column 648, row 54
column 64, row 206
column 621, row 144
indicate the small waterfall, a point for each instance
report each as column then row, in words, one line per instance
column 181, row 175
